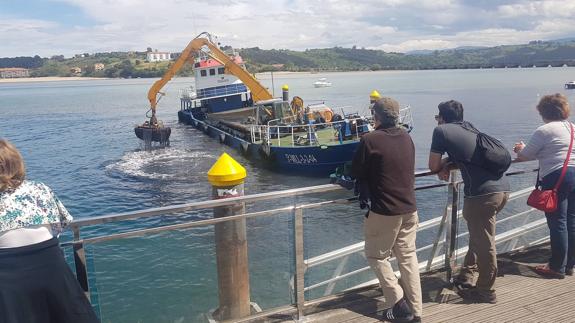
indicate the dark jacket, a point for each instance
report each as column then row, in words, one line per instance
column 385, row 159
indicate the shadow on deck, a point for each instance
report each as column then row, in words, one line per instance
column 523, row 296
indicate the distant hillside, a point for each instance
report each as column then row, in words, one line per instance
column 537, row 53
column 133, row 64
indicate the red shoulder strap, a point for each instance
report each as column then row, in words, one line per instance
column 566, row 160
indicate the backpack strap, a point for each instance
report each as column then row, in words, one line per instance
column 564, row 170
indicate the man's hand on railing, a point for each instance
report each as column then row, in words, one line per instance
column 445, row 171
column 443, row 174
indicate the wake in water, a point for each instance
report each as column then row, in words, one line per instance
column 166, row 163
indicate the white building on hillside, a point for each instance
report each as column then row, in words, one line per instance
column 156, row 56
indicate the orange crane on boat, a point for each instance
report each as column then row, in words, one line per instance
column 203, row 42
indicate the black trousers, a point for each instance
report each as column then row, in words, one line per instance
column 37, row 286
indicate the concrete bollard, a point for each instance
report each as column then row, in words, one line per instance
column 227, row 179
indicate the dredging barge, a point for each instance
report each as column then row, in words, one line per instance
column 232, row 106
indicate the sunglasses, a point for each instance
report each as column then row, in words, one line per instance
column 437, row 116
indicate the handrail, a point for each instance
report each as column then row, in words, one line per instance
column 204, row 205
column 297, row 210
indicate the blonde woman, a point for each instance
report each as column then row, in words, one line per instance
column 36, row 284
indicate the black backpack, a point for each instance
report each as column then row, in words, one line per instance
column 490, row 153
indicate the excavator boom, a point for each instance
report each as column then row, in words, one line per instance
column 259, row 92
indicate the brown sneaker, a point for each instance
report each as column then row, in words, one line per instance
column 475, row 295
column 545, row 271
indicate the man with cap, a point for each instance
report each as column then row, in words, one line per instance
column 385, row 160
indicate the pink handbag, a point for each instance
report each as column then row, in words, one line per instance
column 547, row 200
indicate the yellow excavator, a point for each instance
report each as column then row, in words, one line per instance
column 203, row 42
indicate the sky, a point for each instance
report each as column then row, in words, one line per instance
column 68, row 27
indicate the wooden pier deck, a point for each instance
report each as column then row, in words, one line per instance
column 523, row 296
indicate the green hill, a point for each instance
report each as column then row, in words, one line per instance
column 133, row 64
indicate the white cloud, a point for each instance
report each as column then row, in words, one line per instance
column 417, row 44
column 548, row 8
column 392, row 25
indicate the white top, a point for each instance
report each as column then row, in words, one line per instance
column 25, row 236
column 549, row 144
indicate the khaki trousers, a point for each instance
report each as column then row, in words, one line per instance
column 480, row 212
column 395, row 234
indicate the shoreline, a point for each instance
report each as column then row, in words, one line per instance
column 49, row 79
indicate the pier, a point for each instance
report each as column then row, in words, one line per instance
column 324, row 287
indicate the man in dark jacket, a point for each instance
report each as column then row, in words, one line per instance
column 385, row 161
column 485, row 195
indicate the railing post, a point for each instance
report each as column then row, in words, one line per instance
column 299, row 282
column 227, row 178
column 451, row 234
column 80, row 263
column 440, row 231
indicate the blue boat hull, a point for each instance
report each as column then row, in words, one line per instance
column 303, row 160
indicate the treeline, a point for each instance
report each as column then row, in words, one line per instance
column 537, row 53
column 111, row 65
column 134, row 64
column 24, row 62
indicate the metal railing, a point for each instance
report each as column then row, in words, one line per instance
column 220, row 91
column 445, row 238
column 283, row 132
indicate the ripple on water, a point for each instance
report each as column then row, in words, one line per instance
column 163, row 163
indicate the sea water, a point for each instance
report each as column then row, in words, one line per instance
column 77, row 137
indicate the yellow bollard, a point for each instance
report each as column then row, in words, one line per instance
column 227, row 179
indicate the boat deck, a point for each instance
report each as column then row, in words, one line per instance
column 523, row 296
column 327, row 136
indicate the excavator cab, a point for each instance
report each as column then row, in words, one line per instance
column 274, row 111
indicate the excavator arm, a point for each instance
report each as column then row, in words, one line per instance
column 259, row 92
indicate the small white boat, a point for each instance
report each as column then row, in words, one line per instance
column 322, row 82
column 570, row 85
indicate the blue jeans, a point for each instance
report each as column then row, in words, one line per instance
column 561, row 223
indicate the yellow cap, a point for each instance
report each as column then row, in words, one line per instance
column 226, row 172
column 285, row 87
column 374, row 94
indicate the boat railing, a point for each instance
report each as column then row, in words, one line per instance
column 518, row 226
column 223, row 90
column 298, row 135
column 188, row 93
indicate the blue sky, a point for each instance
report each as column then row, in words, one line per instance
column 68, row 27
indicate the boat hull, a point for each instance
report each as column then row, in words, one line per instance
column 304, row 160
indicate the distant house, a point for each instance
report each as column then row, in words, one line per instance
column 98, row 67
column 75, row 70
column 156, row 56
column 14, row 72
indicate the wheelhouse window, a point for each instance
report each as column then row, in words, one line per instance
column 203, row 73
column 212, row 71
column 221, row 70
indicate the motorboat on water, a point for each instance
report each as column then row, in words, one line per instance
column 570, row 85
column 322, row 82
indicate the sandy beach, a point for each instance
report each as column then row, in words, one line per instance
column 48, row 79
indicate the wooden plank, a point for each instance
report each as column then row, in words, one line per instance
column 523, row 296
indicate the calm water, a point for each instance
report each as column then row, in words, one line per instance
column 78, row 138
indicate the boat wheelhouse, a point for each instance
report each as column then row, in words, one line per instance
column 217, row 91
